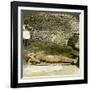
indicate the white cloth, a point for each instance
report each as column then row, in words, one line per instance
column 26, row 35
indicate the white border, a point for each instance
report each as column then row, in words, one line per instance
column 81, row 25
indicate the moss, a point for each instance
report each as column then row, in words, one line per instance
column 49, row 48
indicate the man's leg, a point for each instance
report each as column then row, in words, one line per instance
column 23, row 42
column 26, row 42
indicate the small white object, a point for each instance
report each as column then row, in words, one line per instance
column 26, row 35
column 50, row 56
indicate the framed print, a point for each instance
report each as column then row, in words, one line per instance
column 48, row 44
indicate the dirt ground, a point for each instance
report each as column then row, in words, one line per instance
column 58, row 69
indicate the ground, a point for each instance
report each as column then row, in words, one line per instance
column 50, row 70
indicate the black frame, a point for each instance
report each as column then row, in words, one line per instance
column 14, row 44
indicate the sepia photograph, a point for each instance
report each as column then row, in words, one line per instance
column 50, row 43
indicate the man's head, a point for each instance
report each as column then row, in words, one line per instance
column 25, row 22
